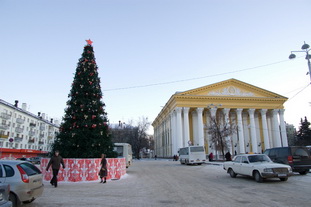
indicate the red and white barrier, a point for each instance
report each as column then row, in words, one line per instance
column 79, row 170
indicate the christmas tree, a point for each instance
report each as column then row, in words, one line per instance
column 84, row 130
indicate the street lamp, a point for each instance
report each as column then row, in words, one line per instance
column 305, row 48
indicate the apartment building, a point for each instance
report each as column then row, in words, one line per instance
column 20, row 129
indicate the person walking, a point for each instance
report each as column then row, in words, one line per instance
column 55, row 161
column 228, row 156
column 103, row 169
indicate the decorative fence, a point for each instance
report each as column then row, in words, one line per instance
column 79, row 170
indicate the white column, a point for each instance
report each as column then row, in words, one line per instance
column 173, row 133
column 200, row 126
column 240, row 131
column 283, row 129
column 227, row 124
column 186, row 137
column 178, row 128
column 276, row 129
column 265, row 128
column 253, row 130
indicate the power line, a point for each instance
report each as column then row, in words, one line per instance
column 197, row 78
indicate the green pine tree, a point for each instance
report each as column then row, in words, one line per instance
column 84, row 131
column 304, row 133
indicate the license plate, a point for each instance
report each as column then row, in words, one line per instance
column 282, row 175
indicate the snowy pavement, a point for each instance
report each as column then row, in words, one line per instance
column 168, row 183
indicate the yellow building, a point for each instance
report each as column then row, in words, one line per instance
column 257, row 113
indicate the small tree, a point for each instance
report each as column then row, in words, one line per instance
column 304, row 133
column 220, row 129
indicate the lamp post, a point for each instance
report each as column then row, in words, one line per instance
column 305, row 48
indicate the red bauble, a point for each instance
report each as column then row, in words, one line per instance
column 86, row 125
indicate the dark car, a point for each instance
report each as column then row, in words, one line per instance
column 297, row 157
column 35, row 160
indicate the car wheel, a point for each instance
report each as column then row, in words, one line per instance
column 258, row 177
column 232, row 173
column 304, row 172
column 199, row 163
column 283, row 179
column 13, row 199
column 29, row 201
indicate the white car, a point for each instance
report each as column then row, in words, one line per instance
column 24, row 178
column 258, row 166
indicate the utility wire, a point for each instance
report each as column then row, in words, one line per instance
column 197, row 78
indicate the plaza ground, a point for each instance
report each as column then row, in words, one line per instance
column 168, row 183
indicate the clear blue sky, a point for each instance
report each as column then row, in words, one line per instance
column 142, row 42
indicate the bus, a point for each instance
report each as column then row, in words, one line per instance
column 124, row 150
column 192, row 155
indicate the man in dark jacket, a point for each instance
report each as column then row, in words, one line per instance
column 55, row 161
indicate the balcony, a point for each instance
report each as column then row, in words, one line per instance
column 2, row 136
column 41, row 135
column 41, row 142
column 19, row 130
column 32, row 125
column 4, row 126
column 20, row 121
column 42, row 127
column 31, row 140
column 5, row 116
column 32, row 133
column 18, row 139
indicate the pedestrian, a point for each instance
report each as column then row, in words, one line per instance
column 228, row 156
column 155, row 157
column 103, row 169
column 55, row 161
column 211, row 157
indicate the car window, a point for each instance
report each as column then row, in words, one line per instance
column 244, row 160
column 259, row 158
column 283, row 152
column 29, row 169
column 272, row 152
column 301, row 152
column 237, row 159
column 9, row 171
column 267, row 152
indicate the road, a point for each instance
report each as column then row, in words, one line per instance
column 168, row 183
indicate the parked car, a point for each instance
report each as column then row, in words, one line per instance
column 258, row 166
column 4, row 195
column 35, row 160
column 297, row 157
column 23, row 159
column 24, row 178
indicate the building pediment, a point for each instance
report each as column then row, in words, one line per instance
column 230, row 88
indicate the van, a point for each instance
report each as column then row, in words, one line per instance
column 297, row 157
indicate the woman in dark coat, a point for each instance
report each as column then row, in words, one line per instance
column 103, row 169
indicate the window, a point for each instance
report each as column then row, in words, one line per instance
column 237, row 159
column 9, row 172
column 196, row 149
column 283, row 152
column 301, row 152
column 244, row 160
column 30, row 169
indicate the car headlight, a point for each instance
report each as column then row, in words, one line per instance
column 290, row 170
column 268, row 170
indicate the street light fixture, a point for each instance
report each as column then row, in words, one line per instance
column 305, row 48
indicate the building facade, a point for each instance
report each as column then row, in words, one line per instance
column 20, row 129
column 258, row 115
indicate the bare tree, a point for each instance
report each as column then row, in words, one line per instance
column 220, row 129
column 134, row 135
